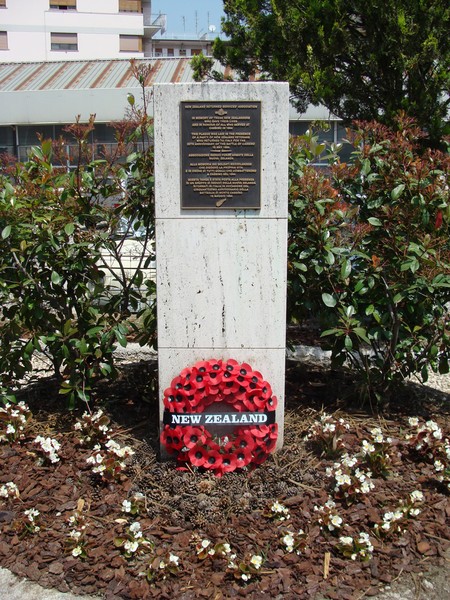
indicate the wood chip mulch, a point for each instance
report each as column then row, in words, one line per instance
column 184, row 508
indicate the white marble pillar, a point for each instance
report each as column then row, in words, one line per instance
column 221, row 273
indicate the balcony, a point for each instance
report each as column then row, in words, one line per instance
column 153, row 24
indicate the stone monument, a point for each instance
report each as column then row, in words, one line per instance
column 221, row 179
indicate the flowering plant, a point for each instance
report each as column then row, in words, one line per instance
column 76, row 538
column 135, row 504
column 429, row 441
column 327, row 433
column 32, row 520
column 247, row 568
column 49, row 447
column 92, row 428
column 163, row 566
column 13, row 420
column 359, row 547
column 133, row 541
column 294, row 541
column 234, row 385
column 9, row 490
column 108, row 461
column 376, row 452
column 393, row 521
column 348, row 480
column 328, row 517
column 277, row 512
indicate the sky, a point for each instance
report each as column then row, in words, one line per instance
column 186, row 17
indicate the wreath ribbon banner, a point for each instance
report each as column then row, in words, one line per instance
column 247, row 410
column 229, row 419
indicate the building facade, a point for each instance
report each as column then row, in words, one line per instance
column 49, row 30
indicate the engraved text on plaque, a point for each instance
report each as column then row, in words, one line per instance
column 220, row 155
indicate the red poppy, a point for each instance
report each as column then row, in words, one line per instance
column 215, row 365
column 228, row 464
column 232, row 367
column 272, row 403
column 243, row 457
column 273, row 431
column 193, row 436
column 267, row 444
column 244, row 441
column 259, row 456
column 251, row 404
column 172, row 437
column 229, row 385
column 213, row 460
column 198, row 455
column 258, row 431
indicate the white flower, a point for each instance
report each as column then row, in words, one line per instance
column 227, row 548
column 377, row 435
column 174, row 559
column 162, row 565
column 10, row 428
column 131, row 546
column 416, row 496
column 75, row 534
column 205, row 543
column 126, row 506
column 135, row 528
column 367, row 448
column 31, row 513
column 256, row 561
column 77, row 426
column 245, row 577
column 329, row 427
column 438, row 465
column 336, row 521
column 348, row 461
column 413, row 421
column 346, row 540
column 77, row 551
column 414, row 512
column 288, row 541
column 366, row 487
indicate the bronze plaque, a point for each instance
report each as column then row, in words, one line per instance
column 220, row 155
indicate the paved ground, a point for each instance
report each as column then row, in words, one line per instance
column 17, row 588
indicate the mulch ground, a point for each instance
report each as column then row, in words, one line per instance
column 182, row 508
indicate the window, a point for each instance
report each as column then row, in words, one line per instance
column 195, row 51
column 64, row 41
column 130, row 43
column 3, row 40
column 158, row 52
column 170, row 52
column 2, row 3
column 182, row 52
column 64, row 4
column 134, row 6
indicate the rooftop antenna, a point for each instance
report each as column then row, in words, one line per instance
column 184, row 24
column 196, row 23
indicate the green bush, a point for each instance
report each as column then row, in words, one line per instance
column 60, row 231
column 369, row 255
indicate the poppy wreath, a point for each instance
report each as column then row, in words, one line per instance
column 231, row 383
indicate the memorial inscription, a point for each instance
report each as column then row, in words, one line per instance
column 220, row 155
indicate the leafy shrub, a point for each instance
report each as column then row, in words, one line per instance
column 59, row 230
column 369, row 255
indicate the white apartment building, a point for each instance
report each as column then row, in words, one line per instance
column 53, row 30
